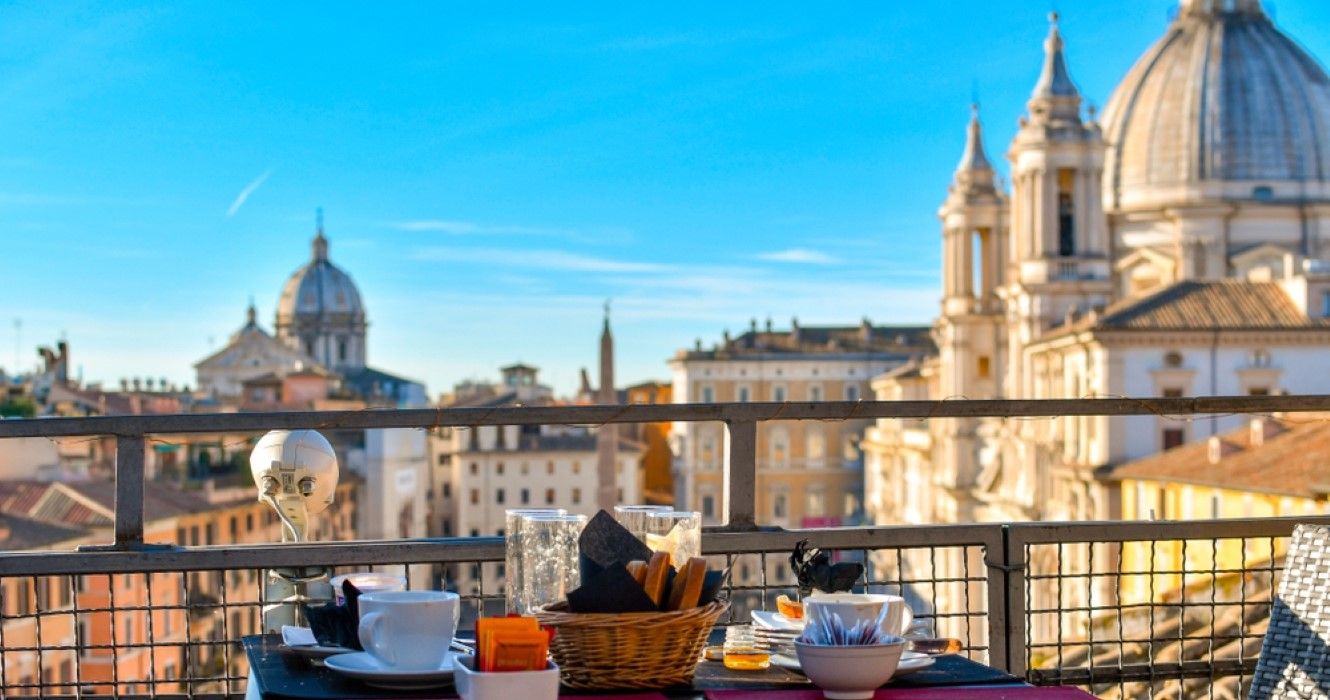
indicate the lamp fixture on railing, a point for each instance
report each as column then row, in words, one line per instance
column 296, row 473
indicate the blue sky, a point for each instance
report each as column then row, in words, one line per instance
column 490, row 176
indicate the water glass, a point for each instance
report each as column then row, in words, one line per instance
column 678, row 532
column 512, row 551
column 634, row 518
column 549, row 559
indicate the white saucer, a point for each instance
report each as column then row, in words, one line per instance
column 314, row 651
column 910, row 662
column 776, row 621
column 363, row 667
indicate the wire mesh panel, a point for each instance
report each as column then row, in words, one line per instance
column 159, row 633
column 1160, row 617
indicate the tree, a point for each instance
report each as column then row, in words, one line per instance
column 18, row 407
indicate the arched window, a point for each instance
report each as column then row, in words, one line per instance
column 817, row 446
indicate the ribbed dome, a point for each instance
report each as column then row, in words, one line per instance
column 319, row 289
column 1224, row 96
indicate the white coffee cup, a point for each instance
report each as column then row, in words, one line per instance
column 367, row 582
column 854, row 608
column 408, row 630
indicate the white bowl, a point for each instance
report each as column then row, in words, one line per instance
column 524, row 685
column 849, row 672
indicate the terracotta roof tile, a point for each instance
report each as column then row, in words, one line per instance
column 1294, row 460
column 1206, row 305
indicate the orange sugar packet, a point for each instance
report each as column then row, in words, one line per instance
column 488, row 627
column 519, row 651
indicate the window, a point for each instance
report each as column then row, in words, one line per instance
column 475, row 497
column 984, row 369
column 475, row 469
column 500, row 437
column 1325, row 303
column 447, row 489
column 1066, row 212
column 743, row 395
column 249, row 522
column 817, row 504
column 1173, row 437
column 815, row 392
column 852, row 392
column 498, row 495
column 341, row 351
column 778, row 393
column 577, row 467
column 1260, row 358
column 1172, row 393
column 475, row 532
column 851, row 504
column 1263, row 193
column 1172, row 358
column 1258, row 391
column 549, row 467
column 817, row 445
column 780, row 447
column 498, row 469
column 577, row 496
column 549, row 497
column 780, row 506
column 708, row 506
column 708, row 395
column 526, row 496
column 526, row 469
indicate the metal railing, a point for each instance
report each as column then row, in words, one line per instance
column 995, row 586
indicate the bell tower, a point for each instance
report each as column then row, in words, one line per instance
column 970, row 332
column 1058, row 258
column 974, row 236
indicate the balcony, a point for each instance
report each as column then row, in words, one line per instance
column 1125, row 609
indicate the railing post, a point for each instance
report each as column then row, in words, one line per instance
column 740, row 475
column 128, row 490
column 1016, row 583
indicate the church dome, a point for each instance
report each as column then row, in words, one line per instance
column 1223, row 106
column 319, row 290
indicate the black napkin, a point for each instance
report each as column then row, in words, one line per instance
column 604, row 542
column 610, row 590
column 336, row 625
column 712, row 584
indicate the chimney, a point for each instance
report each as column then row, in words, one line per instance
column 1262, row 430
column 768, row 324
column 866, row 331
column 1217, row 449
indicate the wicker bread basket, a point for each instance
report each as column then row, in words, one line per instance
column 629, row 650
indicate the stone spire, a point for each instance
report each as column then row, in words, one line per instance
column 605, row 394
column 974, row 171
column 607, row 436
column 251, row 314
column 320, row 243
column 1055, row 96
column 1211, row 8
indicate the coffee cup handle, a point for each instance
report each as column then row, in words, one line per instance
column 369, row 637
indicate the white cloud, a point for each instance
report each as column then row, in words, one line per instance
column 798, row 255
column 247, row 191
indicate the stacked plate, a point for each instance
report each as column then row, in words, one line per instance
column 776, row 630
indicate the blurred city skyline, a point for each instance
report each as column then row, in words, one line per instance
column 489, row 179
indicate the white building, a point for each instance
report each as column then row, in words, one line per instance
column 479, row 473
column 1174, row 249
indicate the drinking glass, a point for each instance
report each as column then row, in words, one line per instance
column 512, row 552
column 634, row 518
column 549, row 559
column 678, row 532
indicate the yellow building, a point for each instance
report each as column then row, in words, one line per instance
column 1272, row 467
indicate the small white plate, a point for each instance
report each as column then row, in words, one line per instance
column 776, row 621
column 363, row 667
column 910, row 662
column 314, row 651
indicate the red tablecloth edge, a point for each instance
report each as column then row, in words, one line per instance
column 1015, row 692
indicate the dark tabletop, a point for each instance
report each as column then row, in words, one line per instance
column 284, row 676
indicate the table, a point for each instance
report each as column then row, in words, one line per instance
column 276, row 675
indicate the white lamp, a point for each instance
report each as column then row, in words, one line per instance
column 296, row 473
